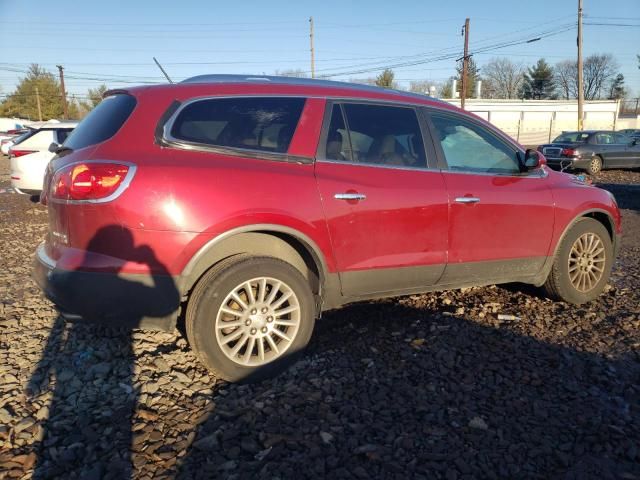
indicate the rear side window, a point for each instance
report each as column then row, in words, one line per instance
column 255, row 123
column 103, row 122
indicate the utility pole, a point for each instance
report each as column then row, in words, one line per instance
column 580, row 81
column 465, row 64
column 313, row 62
column 63, row 92
column 38, row 103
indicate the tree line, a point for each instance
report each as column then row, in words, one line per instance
column 505, row 79
column 39, row 84
column 501, row 79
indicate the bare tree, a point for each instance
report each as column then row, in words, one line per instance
column 565, row 74
column 598, row 72
column 293, row 72
column 502, row 78
column 423, row 86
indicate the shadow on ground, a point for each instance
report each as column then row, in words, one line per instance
column 440, row 397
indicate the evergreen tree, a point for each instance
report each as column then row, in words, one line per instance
column 473, row 75
column 23, row 102
column 385, row 79
column 617, row 90
column 538, row 82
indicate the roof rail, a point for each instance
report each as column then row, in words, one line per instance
column 232, row 78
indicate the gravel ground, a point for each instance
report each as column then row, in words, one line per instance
column 427, row 386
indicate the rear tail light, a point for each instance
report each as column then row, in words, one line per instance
column 20, row 153
column 568, row 152
column 90, row 181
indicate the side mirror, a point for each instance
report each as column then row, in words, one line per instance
column 54, row 147
column 532, row 160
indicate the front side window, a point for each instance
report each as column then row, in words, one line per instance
column 469, row 147
column 255, row 123
column 605, row 138
column 622, row 139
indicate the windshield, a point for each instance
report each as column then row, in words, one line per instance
column 24, row 136
column 572, row 137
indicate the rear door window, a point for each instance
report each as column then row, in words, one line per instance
column 103, row 122
column 254, row 123
column 376, row 135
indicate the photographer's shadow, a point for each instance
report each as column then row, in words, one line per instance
column 88, row 430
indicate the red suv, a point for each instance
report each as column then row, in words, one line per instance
column 247, row 206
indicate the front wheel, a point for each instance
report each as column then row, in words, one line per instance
column 583, row 263
column 249, row 317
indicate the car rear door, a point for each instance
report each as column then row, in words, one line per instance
column 500, row 220
column 385, row 206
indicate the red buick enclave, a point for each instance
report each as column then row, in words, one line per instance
column 249, row 205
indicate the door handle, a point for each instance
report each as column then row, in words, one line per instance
column 467, row 200
column 350, row 196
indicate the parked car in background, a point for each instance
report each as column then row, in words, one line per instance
column 39, row 139
column 631, row 132
column 8, row 140
column 251, row 205
column 592, row 150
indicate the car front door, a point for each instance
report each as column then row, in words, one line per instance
column 611, row 152
column 631, row 156
column 500, row 220
column 385, row 208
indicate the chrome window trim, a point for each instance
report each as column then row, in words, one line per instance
column 541, row 172
column 331, row 101
column 377, row 165
column 171, row 141
column 123, row 186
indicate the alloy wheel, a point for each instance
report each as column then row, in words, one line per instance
column 258, row 321
column 586, row 262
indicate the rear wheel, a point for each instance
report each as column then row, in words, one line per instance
column 583, row 263
column 249, row 317
column 595, row 166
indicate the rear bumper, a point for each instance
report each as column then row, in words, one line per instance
column 569, row 163
column 114, row 299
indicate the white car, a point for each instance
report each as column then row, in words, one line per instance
column 28, row 167
column 7, row 141
column 27, row 172
column 39, row 139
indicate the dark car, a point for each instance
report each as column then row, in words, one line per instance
column 592, row 150
column 246, row 206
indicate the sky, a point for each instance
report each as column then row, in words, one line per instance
column 114, row 42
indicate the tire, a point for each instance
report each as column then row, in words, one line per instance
column 595, row 166
column 253, row 320
column 563, row 284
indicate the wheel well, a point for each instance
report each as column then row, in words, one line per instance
column 259, row 243
column 604, row 219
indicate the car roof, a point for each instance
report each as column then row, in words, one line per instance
column 55, row 125
column 310, row 82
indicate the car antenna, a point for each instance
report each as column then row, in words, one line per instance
column 162, row 70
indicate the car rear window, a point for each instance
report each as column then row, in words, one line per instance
column 255, row 123
column 103, row 122
column 572, row 137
